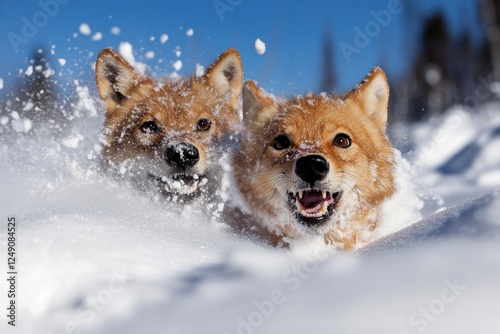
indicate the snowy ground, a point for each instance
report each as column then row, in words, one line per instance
column 94, row 256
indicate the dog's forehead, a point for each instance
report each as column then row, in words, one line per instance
column 313, row 113
column 177, row 101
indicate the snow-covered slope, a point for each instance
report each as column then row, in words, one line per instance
column 456, row 156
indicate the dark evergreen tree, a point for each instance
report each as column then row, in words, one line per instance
column 35, row 97
column 434, row 91
column 490, row 14
column 327, row 70
column 39, row 93
column 462, row 67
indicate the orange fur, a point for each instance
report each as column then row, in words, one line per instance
column 144, row 116
column 362, row 173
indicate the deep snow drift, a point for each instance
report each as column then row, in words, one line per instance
column 95, row 256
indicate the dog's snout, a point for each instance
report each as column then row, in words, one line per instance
column 182, row 155
column 312, row 168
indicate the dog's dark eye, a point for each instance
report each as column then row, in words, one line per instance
column 342, row 140
column 150, row 127
column 203, row 124
column 281, row 142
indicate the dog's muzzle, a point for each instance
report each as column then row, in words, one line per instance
column 182, row 181
column 313, row 205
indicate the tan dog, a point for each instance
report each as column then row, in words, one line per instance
column 165, row 134
column 315, row 165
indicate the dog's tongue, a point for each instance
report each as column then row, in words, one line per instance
column 312, row 200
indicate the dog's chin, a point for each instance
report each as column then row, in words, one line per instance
column 185, row 187
column 313, row 208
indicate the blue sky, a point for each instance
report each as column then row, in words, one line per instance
column 292, row 30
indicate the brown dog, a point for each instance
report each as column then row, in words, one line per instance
column 165, row 134
column 316, row 164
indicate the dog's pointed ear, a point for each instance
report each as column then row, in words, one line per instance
column 114, row 77
column 225, row 75
column 373, row 96
column 258, row 106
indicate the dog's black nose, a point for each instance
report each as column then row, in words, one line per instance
column 312, row 168
column 182, row 155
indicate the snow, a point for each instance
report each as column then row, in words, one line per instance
column 62, row 61
column 72, row 141
column 97, row 256
column 189, row 32
column 115, row 31
column 22, row 125
column 394, row 218
column 14, row 115
column 150, row 55
column 432, row 153
column 29, row 70
column 85, row 103
column 433, row 76
column 126, row 51
column 28, row 106
column 48, row 72
column 97, row 36
column 200, row 70
column 163, row 38
column 491, row 178
column 177, row 65
column 85, row 29
column 457, row 157
column 259, row 46
column 1, row 83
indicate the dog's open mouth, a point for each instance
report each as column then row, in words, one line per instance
column 313, row 207
column 180, row 185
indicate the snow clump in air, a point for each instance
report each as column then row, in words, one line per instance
column 260, row 47
column 84, row 29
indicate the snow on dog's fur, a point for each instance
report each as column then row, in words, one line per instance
column 315, row 165
column 164, row 134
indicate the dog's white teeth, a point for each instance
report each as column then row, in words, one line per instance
column 314, row 215
column 301, row 194
column 324, row 194
column 300, row 207
column 324, row 207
